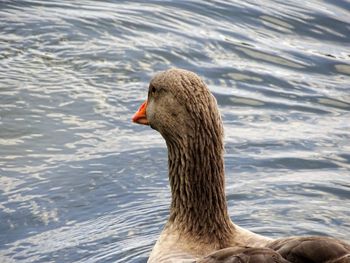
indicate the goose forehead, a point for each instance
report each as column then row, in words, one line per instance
column 165, row 79
column 172, row 78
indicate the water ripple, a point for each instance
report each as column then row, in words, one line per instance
column 79, row 182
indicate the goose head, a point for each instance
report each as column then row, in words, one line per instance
column 179, row 105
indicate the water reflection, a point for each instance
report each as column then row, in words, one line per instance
column 79, row 182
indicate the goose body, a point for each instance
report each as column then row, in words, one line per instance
column 172, row 247
column 182, row 109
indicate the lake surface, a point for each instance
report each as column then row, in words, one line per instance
column 80, row 183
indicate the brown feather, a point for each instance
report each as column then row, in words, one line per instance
column 244, row 255
column 312, row 249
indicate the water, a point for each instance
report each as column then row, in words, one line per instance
column 80, row 183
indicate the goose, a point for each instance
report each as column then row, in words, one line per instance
column 183, row 110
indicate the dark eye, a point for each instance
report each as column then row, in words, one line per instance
column 153, row 89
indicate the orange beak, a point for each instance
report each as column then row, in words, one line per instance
column 140, row 116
